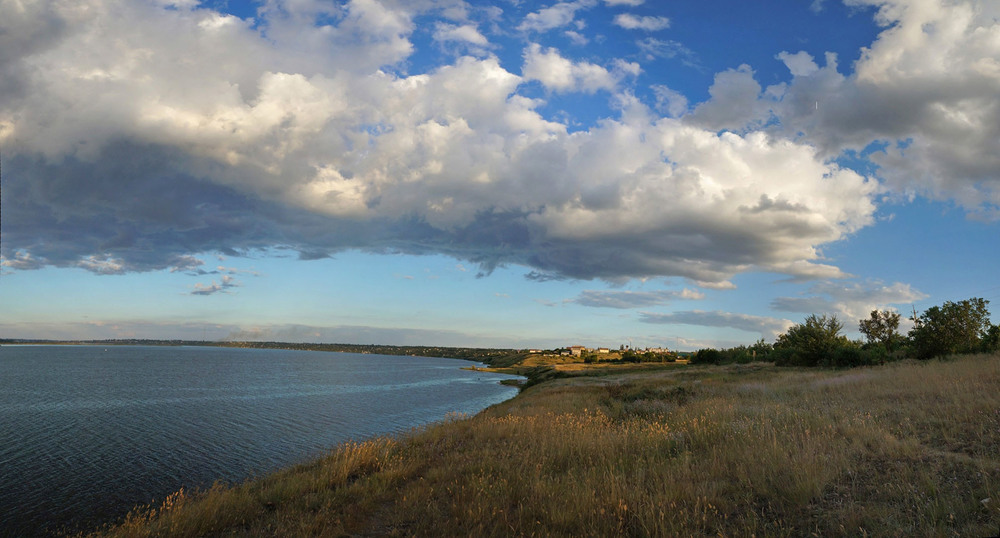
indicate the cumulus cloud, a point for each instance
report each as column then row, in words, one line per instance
column 556, row 16
column 735, row 102
column 925, row 89
column 634, row 299
column 768, row 328
column 467, row 33
column 120, row 164
column 576, row 38
column 670, row 102
column 629, row 21
column 563, row 75
column 850, row 301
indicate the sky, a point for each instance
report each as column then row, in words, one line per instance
column 493, row 174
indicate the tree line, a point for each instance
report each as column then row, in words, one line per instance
column 952, row 328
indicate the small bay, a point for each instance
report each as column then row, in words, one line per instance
column 88, row 432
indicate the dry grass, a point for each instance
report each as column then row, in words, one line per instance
column 902, row 450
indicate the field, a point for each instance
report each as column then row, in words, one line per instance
column 907, row 449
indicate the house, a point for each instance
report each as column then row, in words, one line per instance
column 576, row 351
column 603, row 350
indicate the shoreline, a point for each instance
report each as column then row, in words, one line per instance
column 680, row 450
column 264, row 410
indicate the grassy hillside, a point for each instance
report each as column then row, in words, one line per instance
column 907, row 449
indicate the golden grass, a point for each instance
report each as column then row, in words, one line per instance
column 907, row 449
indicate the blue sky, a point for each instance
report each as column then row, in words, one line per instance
column 504, row 174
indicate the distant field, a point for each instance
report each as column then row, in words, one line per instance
column 907, row 449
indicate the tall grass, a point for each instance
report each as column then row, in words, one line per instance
column 909, row 449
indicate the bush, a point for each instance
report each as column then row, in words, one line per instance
column 879, row 355
column 850, row 356
column 707, row 356
column 785, row 356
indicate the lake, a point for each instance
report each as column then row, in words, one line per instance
column 88, row 432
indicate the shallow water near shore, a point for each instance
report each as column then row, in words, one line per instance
column 88, row 432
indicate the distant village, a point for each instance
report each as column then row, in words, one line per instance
column 624, row 353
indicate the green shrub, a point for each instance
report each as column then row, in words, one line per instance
column 707, row 356
column 853, row 355
column 786, row 356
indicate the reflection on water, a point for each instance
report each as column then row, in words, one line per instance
column 86, row 432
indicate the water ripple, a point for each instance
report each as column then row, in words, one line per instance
column 86, row 434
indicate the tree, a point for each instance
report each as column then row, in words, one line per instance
column 811, row 343
column 881, row 329
column 951, row 328
column 991, row 342
column 760, row 350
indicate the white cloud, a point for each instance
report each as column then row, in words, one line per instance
column 927, row 86
column 103, row 264
column 653, row 48
column 221, row 286
column 634, row 299
column 768, row 328
column 556, row 16
column 576, row 38
column 283, row 145
column 670, row 102
column 850, row 301
column 801, row 64
column 563, row 75
column 648, row 23
column 22, row 260
column 467, row 33
column 735, row 102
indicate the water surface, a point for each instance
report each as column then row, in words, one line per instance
column 88, row 432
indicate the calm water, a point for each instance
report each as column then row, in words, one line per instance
column 86, row 432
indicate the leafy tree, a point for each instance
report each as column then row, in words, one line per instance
column 951, row 328
column 991, row 342
column 811, row 343
column 881, row 328
column 761, row 350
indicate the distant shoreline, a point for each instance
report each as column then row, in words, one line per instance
column 489, row 356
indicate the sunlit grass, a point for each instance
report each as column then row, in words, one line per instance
column 902, row 450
